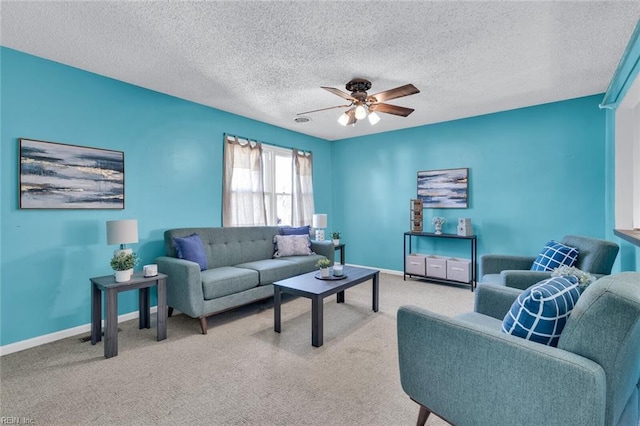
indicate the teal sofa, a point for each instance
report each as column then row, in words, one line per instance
column 240, row 269
column 594, row 256
column 465, row 370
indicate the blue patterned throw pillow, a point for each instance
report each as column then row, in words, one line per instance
column 541, row 312
column 553, row 255
column 290, row 230
column 191, row 248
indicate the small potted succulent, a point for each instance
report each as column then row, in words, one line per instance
column 122, row 263
column 336, row 238
column 584, row 278
column 437, row 223
column 324, row 264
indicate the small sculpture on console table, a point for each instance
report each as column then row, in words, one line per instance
column 438, row 222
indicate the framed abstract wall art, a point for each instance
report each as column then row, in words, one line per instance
column 444, row 189
column 60, row 176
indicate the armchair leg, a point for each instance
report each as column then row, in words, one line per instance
column 422, row 416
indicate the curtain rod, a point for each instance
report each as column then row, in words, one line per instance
column 266, row 143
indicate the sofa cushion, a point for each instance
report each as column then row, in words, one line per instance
column 270, row 270
column 227, row 280
column 540, row 313
column 290, row 230
column 305, row 263
column 292, row 245
column 553, row 255
column 191, row 248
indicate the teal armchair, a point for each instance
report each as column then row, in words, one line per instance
column 468, row 372
column 594, row 256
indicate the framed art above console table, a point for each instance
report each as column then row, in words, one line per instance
column 444, row 189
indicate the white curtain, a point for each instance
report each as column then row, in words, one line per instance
column 243, row 200
column 302, row 207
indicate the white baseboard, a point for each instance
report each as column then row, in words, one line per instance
column 63, row 334
column 384, row 271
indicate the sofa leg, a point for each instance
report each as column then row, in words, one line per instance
column 423, row 415
column 203, row 324
column 170, row 311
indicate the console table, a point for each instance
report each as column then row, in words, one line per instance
column 111, row 288
column 408, row 236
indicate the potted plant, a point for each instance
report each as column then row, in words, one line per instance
column 438, row 222
column 323, row 264
column 336, row 238
column 122, row 263
column 584, row 278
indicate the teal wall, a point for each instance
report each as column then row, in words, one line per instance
column 628, row 70
column 173, row 170
column 534, row 174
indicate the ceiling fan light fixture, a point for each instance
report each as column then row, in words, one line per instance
column 373, row 118
column 361, row 112
column 343, row 119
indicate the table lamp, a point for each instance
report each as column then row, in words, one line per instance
column 319, row 223
column 122, row 232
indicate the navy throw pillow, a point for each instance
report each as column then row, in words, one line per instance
column 540, row 312
column 191, row 248
column 554, row 255
column 290, row 230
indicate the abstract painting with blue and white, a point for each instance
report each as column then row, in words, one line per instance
column 60, row 176
column 443, row 188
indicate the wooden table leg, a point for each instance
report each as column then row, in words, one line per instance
column 144, row 308
column 162, row 309
column 316, row 321
column 111, row 324
column 96, row 314
column 277, row 298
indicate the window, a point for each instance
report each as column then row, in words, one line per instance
column 266, row 184
column 627, row 161
column 277, row 167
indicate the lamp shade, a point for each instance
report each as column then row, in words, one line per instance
column 122, row 231
column 319, row 220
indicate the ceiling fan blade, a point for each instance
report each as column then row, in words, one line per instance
column 398, row 92
column 391, row 109
column 339, row 93
column 323, row 109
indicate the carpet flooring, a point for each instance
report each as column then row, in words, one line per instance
column 240, row 373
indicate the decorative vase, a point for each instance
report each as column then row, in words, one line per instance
column 336, row 241
column 324, row 272
column 438, row 228
column 337, row 270
column 122, row 276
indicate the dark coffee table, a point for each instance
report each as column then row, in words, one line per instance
column 307, row 285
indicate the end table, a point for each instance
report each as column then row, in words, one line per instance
column 111, row 288
column 341, row 248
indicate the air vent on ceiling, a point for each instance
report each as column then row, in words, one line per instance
column 302, row 119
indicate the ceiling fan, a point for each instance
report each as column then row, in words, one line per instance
column 362, row 105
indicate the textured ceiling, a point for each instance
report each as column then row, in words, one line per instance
column 267, row 60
